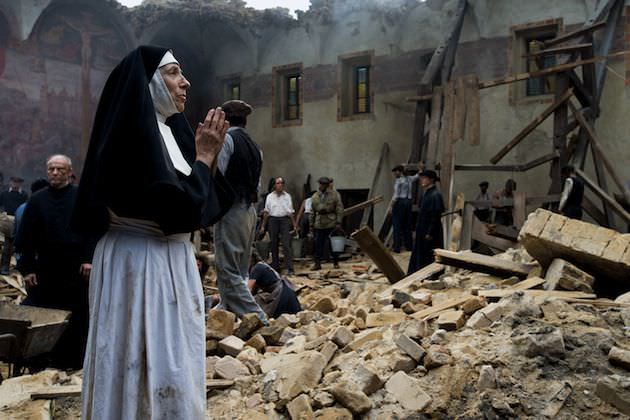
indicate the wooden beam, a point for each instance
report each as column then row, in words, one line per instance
column 53, row 392
column 448, row 158
column 353, row 209
column 598, row 150
column 559, row 50
column 473, row 110
column 581, row 92
column 375, row 178
column 507, row 168
column 531, row 126
column 480, row 234
column 529, row 283
column 505, row 232
column 481, row 263
column 374, row 248
column 603, row 47
column 496, row 294
column 574, row 34
column 592, row 210
column 417, row 141
column 434, row 129
column 459, row 111
column 435, row 309
column 545, row 72
column 468, row 217
column 453, row 40
column 604, row 196
column 520, row 210
column 560, row 120
column 417, row 277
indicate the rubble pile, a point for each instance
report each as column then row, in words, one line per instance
column 442, row 343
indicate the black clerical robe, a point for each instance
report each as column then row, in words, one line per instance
column 55, row 254
column 429, row 223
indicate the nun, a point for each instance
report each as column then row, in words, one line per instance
column 148, row 182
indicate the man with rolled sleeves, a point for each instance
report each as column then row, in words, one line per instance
column 279, row 215
column 326, row 216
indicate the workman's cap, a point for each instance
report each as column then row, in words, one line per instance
column 430, row 174
column 324, row 180
column 237, row 108
column 483, row 184
column 398, row 168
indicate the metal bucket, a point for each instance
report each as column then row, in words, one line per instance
column 296, row 247
column 262, row 247
column 337, row 243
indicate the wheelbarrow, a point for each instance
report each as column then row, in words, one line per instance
column 28, row 331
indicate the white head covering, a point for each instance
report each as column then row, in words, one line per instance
column 165, row 107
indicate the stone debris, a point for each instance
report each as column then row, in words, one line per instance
column 423, row 348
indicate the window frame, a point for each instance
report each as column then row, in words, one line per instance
column 282, row 115
column 348, row 89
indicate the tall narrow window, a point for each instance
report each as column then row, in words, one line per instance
column 235, row 90
column 362, row 87
column 293, row 97
column 544, row 84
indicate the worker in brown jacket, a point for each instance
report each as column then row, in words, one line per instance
column 325, row 218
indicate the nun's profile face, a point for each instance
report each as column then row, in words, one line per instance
column 176, row 83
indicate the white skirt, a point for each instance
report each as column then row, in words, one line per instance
column 145, row 355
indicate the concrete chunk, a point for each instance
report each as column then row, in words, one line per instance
column 619, row 357
column 451, row 320
column 410, row 347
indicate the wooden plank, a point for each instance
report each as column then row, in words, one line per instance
column 508, row 168
column 434, row 129
column 582, row 93
column 560, row 117
column 598, row 150
column 459, row 111
column 417, row 277
column 447, row 161
column 453, row 40
column 417, row 141
column 531, row 126
column 496, row 294
column 604, row 45
column 529, row 283
column 473, row 110
column 52, row 392
column 481, row 263
column 599, row 302
column 374, row 248
column 500, row 231
column 480, row 234
column 545, row 72
column 367, row 203
column 520, row 208
column 559, row 50
column 377, row 174
column 435, row 309
column 218, row 384
column 574, row 34
column 604, row 196
column 467, row 226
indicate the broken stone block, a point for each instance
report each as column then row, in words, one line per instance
column 328, row 350
column 230, row 368
column 365, row 379
column 323, row 399
column 231, row 345
column 316, row 343
column 220, row 324
column 625, row 298
column 473, row 304
column 410, row 347
column 408, row 392
column 451, row 320
column 436, row 356
column 324, row 305
column 295, row 345
column 486, row 316
column 306, row 317
column 563, row 275
column 333, row 414
column 300, row 408
column 545, row 342
column 287, row 335
column 487, row 378
column 615, row 390
column 578, row 242
column 272, row 334
column 402, row 362
column 249, row 324
column 257, row 342
column 361, row 312
column 287, row 320
column 399, row 298
column 354, row 400
column 421, row 298
column 359, row 323
column 415, row 329
column 384, row 318
column 438, row 337
column 363, row 338
column 342, row 337
column 212, row 345
column 619, row 357
column 438, row 284
column 409, row 308
column 296, row 373
column 210, row 364
column 250, row 358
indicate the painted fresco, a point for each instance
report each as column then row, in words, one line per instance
column 50, row 87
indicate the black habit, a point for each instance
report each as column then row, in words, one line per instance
column 429, row 223
column 55, row 254
column 127, row 168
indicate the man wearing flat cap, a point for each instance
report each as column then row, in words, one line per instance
column 325, row 217
column 10, row 200
column 482, row 211
column 240, row 162
column 429, row 234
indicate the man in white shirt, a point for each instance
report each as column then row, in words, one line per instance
column 280, row 215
